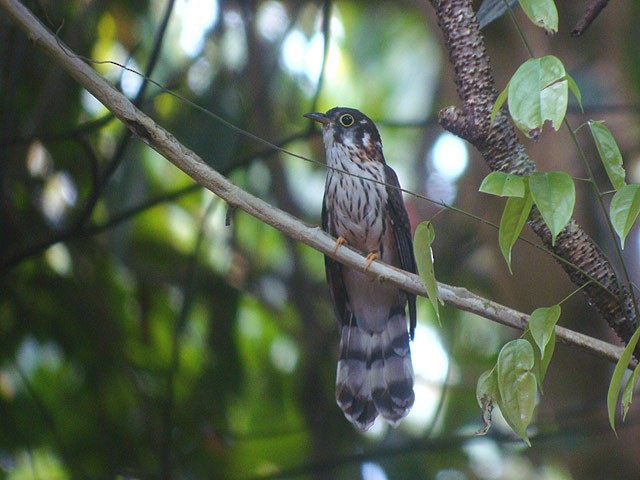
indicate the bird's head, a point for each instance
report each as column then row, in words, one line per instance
column 350, row 128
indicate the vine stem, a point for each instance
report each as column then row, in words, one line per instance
column 523, row 37
column 573, row 293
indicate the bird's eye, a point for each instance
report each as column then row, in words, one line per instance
column 346, row 120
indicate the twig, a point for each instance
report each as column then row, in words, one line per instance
column 593, row 10
column 168, row 146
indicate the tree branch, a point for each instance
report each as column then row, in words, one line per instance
column 186, row 160
column 502, row 150
column 593, row 10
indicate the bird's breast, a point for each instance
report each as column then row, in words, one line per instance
column 356, row 205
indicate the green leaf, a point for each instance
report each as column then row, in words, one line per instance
column 542, row 13
column 542, row 323
column 624, row 209
column 517, row 385
column 616, row 378
column 487, row 395
column 555, row 195
column 515, row 214
column 487, row 387
column 627, row 392
column 422, row 241
column 503, row 185
column 538, row 92
column 541, row 363
column 609, row 153
column 545, row 360
column 499, row 103
column 573, row 86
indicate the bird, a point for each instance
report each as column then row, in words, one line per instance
column 363, row 208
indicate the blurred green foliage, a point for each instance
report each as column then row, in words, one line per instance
column 141, row 337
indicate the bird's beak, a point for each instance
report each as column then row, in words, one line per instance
column 318, row 117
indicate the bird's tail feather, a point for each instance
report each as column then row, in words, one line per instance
column 375, row 375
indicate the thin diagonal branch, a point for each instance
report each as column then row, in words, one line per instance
column 168, row 146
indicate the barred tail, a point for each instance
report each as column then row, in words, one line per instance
column 375, row 375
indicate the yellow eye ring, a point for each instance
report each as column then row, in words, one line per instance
column 346, row 120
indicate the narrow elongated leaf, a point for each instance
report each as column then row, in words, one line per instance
column 503, row 185
column 609, row 153
column 616, row 379
column 542, row 13
column 624, row 209
column 627, row 392
column 499, row 103
column 542, row 323
column 545, row 360
column 517, row 385
column 541, row 363
column 573, row 86
column 555, row 196
column 515, row 214
column 422, row 240
column 538, row 92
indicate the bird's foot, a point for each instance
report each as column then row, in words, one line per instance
column 370, row 258
column 339, row 242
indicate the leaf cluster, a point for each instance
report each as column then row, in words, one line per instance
column 537, row 95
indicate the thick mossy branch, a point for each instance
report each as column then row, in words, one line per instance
column 502, row 150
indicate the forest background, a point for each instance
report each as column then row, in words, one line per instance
column 147, row 330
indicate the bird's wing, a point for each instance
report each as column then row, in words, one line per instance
column 333, row 271
column 402, row 235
